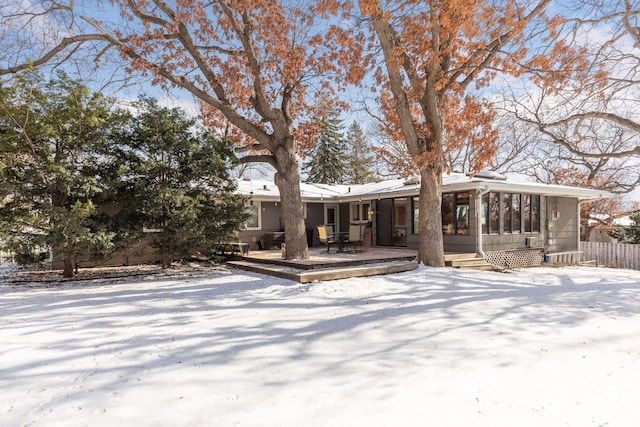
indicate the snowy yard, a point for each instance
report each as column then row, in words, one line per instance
column 432, row 347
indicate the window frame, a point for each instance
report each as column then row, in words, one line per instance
column 362, row 211
column 454, row 203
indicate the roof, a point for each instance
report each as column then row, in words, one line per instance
column 455, row 182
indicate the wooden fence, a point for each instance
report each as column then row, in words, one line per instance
column 615, row 255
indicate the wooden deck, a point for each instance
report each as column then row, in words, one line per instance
column 330, row 266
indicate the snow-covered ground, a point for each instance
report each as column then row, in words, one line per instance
column 431, row 347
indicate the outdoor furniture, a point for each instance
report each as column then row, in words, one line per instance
column 355, row 235
column 273, row 239
column 343, row 240
column 231, row 248
column 325, row 238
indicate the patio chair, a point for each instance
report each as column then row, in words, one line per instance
column 325, row 238
column 355, row 235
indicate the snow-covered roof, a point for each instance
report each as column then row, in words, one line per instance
column 268, row 191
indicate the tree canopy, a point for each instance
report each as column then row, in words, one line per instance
column 50, row 133
column 174, row 181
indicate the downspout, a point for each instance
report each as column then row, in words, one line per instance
column 479, row 193
column 580, row 222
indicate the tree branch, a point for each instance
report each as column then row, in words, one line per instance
column 262, row 158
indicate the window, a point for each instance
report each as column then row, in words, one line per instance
column 448, row 206
column 511, row 216
column 360, row 212
column 455, row 213
column 507, row 211
column 516, row 218
column 253, row 223
column 366, row 212
column 416, row 215
column 462, row 213
column 531, row 213
column 517, row 210
column 535, row 213
column 355, row 212
column 494, row 213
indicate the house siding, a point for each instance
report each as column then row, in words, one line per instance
column 563, row 231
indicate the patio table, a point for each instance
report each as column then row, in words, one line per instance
column 343, row 239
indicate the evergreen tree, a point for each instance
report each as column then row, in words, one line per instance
column 328, row 162
column 176, row 181
column 49, row 132
column 361, row 163
column 630, row 233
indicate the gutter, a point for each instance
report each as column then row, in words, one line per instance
column 479, row 193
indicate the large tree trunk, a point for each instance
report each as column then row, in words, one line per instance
column 288, row 181
column 431, row 245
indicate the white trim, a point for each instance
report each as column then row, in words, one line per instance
column 336, row 207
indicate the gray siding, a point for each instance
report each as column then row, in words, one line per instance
column 270, row 215
column 563, row 231
column 271, row 221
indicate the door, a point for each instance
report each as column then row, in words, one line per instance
column 384, row 222
column 331, row 218
column 400, row 222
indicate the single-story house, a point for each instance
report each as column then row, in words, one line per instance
column 505, row 221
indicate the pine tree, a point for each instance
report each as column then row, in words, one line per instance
column 49, row 133
column 328, row 162
column 361, row 163
column 176, row 181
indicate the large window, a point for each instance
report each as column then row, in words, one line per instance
column 455, row 213
column 511, row 212
column 531, row 213
column 511, row 216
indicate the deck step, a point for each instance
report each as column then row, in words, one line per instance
column 306, row 276
column 484, row 266
column 453, row 256
column 469, row 263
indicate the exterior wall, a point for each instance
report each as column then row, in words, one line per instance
column 139, row 253
column 562, row 232
column 557, row 234
column 270, row 221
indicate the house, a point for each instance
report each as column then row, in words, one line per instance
column 508, row 222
